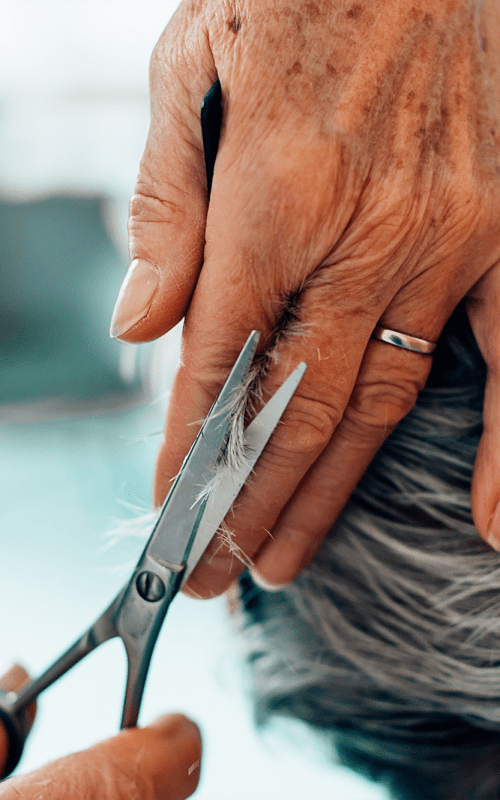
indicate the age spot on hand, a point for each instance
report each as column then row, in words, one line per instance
column 234, row 24
column 355, row 11
column 296, row 69
column 312, row 11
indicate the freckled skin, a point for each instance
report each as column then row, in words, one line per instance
column 357, row 180
column 339, row 56
column 234, row 24
column 355, row 11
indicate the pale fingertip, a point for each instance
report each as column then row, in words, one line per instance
column 135, row 296
column 264, row 584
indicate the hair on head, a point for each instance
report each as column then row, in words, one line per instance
column 389, row 642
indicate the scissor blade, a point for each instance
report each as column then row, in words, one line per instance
column 226, row 490
column 181, row 513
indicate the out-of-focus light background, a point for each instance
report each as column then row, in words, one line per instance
column 76, row 430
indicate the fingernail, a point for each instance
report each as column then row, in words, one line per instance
column 493, row 535
column 135, row 296
column 262, row 583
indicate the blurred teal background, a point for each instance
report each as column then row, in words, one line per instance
column 77, row 428
column 59, row 274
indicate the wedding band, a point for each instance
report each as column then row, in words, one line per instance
column 403, row 340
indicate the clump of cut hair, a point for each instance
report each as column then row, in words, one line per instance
column 389, row 642
column 225, row 537
column 248, row 398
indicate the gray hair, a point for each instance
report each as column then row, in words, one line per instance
column 389, row 642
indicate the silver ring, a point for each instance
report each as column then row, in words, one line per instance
column 403, row 340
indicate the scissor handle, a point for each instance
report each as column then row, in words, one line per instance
column 14, row 705
column 17, row 726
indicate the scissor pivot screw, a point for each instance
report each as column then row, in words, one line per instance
column 150, row 586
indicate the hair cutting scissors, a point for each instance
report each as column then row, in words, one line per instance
column 187, row 522
column 189, row 518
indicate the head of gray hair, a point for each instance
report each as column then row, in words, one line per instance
column 389, row 642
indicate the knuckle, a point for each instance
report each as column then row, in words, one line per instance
column 166, row 207
column 463, row 213
column 307, row 427
column 206, row 372
column 145, row 208
column 375, row 409
column 148, row 216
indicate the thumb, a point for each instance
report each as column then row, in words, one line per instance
column 484, row 315
column 168, row 210
column 160, row 762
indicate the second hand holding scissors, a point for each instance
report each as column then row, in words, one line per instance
column 187, row 522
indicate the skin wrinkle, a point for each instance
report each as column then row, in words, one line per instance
column 159, row 214
column 395, row 397
column 394, row 210
column 16, row 792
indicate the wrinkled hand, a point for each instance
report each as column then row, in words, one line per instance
column 357, row 181
column 160, row 762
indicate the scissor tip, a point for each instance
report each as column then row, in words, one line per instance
column 254, row 337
